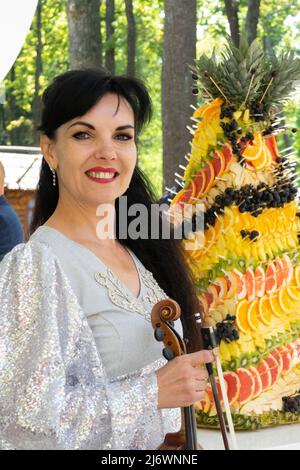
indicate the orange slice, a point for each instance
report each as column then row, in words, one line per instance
column 253, row 150
column 253, row 315
column 285, row 301
column 275, row 306
column 293, row 292
column 264, row 310
column 297, row 275
column 242, row 316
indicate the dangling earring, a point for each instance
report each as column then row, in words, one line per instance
column 54, row 177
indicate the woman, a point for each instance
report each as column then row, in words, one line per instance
column 80, row 367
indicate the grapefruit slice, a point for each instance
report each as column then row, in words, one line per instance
column 258, row 388
column 287, row 362
column 209, row 391
column 234, row 386
column 203, row 305
column 221, row 285
column 242, row 316
column 231, row 284
column 265, row 375
column 200, row 181
column 184, row 195
column 205, row 405
column 279, row 273
column 247, row 385
column 227, row 152
column 271, row 284
column 218, row 162
column 271, row 143
column 294, row 353
column 274, row 369
column 250, row 283
column 260, row 280
column 275, row 353
column 209, row 176
column 264, row 310
column 240, row 285
column 213, row 294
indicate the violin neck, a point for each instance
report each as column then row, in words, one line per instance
column 188, row 420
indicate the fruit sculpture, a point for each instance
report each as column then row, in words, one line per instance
column 246, row 265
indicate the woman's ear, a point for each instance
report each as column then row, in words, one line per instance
column 47, row 148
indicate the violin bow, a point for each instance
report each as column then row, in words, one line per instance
column 163, row 314
column 210, row 342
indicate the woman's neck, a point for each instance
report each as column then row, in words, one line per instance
column 85, row 224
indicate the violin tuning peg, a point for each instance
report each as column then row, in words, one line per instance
column 159, row 334
column 168, row 354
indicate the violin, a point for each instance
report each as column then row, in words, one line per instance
column 163, row 314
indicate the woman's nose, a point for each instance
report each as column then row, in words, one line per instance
column 106, row 152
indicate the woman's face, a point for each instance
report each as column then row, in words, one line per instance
column 94, row 155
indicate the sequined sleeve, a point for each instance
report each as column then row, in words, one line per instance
column 54, row 393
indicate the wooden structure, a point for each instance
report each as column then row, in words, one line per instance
column 22, row 166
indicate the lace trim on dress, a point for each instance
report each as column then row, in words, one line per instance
column 121, row 297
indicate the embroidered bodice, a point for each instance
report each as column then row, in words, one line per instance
column 120, row 322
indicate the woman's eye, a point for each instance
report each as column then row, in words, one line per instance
column 124, row 137
column 81, row 135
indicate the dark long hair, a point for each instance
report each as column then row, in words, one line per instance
column 74, row 93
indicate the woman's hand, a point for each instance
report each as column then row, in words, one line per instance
column 181, row 382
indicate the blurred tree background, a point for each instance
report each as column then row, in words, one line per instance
column 154, row 40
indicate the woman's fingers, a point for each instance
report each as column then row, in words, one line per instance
column 201, row 374
column 200, row 385
column 200, row 357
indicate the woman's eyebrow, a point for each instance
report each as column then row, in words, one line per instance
column 90, row 126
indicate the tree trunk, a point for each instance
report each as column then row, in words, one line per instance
column 232, row 9
column 179, row 51
column 13, row 110
column 37, row 102
column 131, row 38
column 252, row 19
column 110, row 48
column 85, row 44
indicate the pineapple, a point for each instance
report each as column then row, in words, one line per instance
column 247, row 270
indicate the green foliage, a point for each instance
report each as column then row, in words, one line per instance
column 277, row 23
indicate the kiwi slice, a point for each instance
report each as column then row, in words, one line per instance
column 255, row 358
column 245, row 360
column 233, row 364
column 269, row 343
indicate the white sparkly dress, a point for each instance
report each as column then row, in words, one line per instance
column 77, row 352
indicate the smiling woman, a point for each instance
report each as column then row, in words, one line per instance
column 80, row 368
